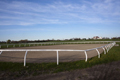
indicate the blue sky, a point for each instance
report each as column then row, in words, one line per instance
column 58, row 19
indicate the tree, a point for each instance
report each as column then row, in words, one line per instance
column 84, row 39
column 8, row 41
column 23, row 41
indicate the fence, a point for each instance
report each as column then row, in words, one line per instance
column 50, row 43
column 105, row 48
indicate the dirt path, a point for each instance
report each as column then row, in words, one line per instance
column 51, row 56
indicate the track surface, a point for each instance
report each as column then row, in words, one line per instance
column 51, row 56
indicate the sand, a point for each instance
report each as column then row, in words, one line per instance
column 51, row 56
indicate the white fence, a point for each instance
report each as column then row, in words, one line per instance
column 105, row 48
column 50, row 43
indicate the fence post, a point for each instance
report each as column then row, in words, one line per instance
column 108, row 47
column 85, row 56
column 112, row 45
column 104, row 50
column 98, row 53
column 0, row 46
column 19, row 45
column 25, row 58
column 57, row 57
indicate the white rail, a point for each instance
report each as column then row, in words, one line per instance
column 105, row 47
column 50, row 43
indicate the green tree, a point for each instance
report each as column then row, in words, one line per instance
column 8, row 41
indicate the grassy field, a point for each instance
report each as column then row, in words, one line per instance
column 17, row 69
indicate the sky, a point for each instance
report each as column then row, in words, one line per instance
column 58, row 19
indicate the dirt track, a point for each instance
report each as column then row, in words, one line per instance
column 47, row 56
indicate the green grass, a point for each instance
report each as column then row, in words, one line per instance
column 42, row 68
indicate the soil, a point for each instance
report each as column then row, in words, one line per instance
column 51, row 56
column 109, row 71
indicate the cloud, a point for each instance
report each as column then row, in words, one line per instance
column 26, row 29
column 29, row 13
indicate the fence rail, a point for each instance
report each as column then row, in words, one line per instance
column 50, row 43
column 105, row 48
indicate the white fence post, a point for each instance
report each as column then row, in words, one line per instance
column 57, row 57
column 104, row 50
column 25, row 58
column 13, row 45
column 108, row 47
column 19, row 45
column 112, row 45
column 85, row 56
column 98, row 53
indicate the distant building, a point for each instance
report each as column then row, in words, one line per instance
column 97, row 37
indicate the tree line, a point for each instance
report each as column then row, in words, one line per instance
column 48, row 40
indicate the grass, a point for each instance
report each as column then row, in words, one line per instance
column 43, row 68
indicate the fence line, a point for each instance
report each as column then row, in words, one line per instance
column 105, row 48
column 49, row 43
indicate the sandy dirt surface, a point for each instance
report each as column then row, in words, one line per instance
column 51, row 56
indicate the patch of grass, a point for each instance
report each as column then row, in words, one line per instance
column 42, row 68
